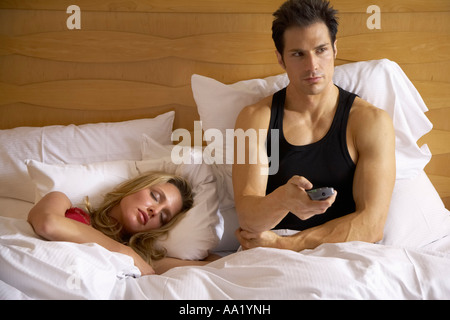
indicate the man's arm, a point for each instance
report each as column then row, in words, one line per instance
column 249, row 184
column 257, row 211
column 374, row 179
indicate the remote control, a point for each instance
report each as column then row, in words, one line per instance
column 320, row 193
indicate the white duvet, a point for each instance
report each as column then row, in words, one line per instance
column 32, row 268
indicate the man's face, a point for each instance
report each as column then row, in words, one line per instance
column 308, row 58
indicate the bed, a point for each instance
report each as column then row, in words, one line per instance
column 83, row 109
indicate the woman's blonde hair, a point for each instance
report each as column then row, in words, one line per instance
column 144, row 243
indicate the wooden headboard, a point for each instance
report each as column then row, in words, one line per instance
column 134, row 59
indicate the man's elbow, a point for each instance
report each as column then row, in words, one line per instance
column 376, row 233
column 244, row 221
column 249, row 224
column 371, row 225
column 377, row 237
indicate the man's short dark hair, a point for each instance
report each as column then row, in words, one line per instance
column 303, row 13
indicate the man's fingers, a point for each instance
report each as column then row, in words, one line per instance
column 315, row 207
column 301, row 182
column 242, row 240
column 247, row 235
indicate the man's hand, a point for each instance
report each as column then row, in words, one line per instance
column 299, row 203
column 249, row 240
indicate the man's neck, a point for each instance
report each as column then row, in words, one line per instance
column 324, row 101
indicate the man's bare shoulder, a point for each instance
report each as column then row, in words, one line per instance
column 364, row 113
column 368, row 123
column 255, row 115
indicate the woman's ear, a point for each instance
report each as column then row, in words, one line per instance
column 280, row 59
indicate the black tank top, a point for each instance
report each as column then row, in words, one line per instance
column 325, row 163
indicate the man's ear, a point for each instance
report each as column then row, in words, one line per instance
column 280, row 59
column 335, row 49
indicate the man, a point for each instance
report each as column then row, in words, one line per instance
column 328, row 137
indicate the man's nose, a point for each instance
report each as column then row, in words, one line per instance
column 311, row 62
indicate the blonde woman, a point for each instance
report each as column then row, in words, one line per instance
column 130, row 219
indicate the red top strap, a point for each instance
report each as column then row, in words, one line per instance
column 78, row 215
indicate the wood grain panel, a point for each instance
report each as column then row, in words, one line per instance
column 435, row 94
column 162, row 24
column 432, row 71
column 108, row 47
column 355, row 23
column 229, row 6
column 95, row 95
column 171, row 6
column 402, row 47
column 440, row 118
column 171, row 71
column 439, row 165
column 165, row 25
column 437, row 140
column 446, row 201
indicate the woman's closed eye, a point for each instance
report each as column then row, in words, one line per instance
column 163, row 218
column 155, row 196
column 163, row 215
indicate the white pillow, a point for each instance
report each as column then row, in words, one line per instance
column 380, row 82
column 219, row 104
column 417, row 216
column 225, row 219
column 198, row 228
column 72, row 144
column 190, row 239
column 79, row 180
column 227, row 211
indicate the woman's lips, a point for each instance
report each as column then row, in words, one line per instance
column 143, row 217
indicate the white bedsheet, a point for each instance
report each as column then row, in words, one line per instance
column 32, row 268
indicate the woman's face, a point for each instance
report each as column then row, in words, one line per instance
column 148, row 209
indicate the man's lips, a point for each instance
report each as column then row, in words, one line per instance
column 143, row 216
column 312, row 79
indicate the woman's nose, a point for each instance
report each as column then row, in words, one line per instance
column 153, row 211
